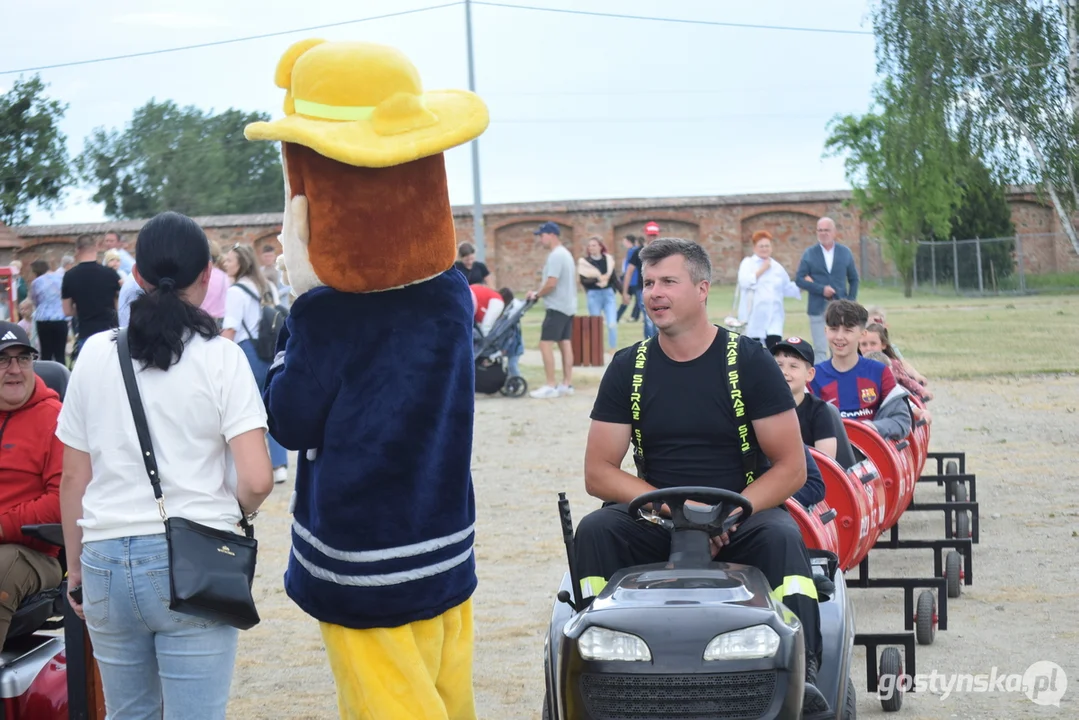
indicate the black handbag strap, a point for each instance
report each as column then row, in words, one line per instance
column 127, row 368
column 141, row 426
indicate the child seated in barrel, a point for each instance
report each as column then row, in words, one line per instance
column 877, row 317
column 916, row 412
column 862, row 389
column 876, row 340
column 795, row 359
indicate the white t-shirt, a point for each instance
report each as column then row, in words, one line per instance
column 193, row 409
column 241, row 309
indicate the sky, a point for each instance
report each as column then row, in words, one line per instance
column 582, row 106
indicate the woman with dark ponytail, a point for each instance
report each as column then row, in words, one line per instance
column 201, row 403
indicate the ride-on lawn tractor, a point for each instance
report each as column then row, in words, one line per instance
column 691, row 638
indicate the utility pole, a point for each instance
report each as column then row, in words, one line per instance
column 477, row 201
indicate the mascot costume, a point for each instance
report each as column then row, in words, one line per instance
column 373, row 381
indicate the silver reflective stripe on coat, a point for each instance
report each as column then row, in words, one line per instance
column 394, row 578
column 369, row 556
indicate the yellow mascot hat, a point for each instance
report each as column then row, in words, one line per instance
column 362, row 104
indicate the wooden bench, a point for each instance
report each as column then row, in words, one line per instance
column 587, row 341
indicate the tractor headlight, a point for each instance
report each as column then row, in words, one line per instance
column 598, row 643
column 759, row 641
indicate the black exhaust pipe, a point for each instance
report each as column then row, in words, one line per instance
column 567, row 537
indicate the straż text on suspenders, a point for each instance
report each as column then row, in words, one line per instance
column 745, row 433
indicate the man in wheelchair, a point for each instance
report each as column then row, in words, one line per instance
column 31, row 459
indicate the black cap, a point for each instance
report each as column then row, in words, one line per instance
column 11, row 335
column 796, row 345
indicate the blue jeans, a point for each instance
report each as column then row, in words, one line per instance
column 649, row 326
column 150, row 657
column 278, row 454
column 602, row 302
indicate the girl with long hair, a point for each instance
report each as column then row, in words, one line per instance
column 202, row 406
column 876, row 339
column 249, row 292
column 598, row 277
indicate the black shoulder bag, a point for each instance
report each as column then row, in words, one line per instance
column 211, row 571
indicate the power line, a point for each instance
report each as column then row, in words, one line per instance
column 747, row 26
column 686, row 21
column 227, row 42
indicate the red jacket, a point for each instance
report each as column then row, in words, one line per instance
column 31, row 460
column 483, row 295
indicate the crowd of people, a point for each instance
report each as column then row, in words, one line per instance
column 92, row 291
column 78, row 460
column 860, row 375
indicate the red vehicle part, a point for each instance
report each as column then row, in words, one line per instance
column 817, row 525
column 895, row 463
column 858, row 505
column 35, row 684
column 919, row 437
column 872, row 483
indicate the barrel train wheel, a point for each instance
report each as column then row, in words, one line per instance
column 925, row 618
column 953, row 573
column 950, row 468
column 891, row 680
column 962, row 517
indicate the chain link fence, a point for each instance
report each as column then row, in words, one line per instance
column 1020, row 264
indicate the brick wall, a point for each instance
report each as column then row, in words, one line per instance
column 723, row 225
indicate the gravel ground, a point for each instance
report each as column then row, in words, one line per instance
column 1020, row 436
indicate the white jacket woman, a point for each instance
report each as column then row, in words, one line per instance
column 763, row 284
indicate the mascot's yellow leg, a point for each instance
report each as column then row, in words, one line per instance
column 419, row 671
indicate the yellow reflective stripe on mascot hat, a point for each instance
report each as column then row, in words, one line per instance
column 795, row 585
column 333, row 112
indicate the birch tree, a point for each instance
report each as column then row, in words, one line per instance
column 1011, row 69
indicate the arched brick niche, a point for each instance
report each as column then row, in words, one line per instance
column 667, row 228
column 521, row 256
column 792, row 233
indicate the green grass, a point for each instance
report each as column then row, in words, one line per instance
column 943, row 336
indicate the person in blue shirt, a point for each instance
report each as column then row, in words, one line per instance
column 862, row 389
column 129, row 290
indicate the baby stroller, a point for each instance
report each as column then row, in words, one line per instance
column 493, row 350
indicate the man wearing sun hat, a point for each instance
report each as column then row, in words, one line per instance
column 373, row 383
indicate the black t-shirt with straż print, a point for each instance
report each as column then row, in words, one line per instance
column 688, row 427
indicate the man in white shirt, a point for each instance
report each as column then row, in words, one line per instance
column 559, row 293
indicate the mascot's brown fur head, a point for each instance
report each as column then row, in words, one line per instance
column 362, row 145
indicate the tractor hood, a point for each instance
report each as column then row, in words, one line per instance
column 666, row 585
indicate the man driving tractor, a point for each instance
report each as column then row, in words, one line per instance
column 713, row 410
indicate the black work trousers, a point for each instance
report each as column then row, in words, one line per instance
column 52, row 335
column 608, row 540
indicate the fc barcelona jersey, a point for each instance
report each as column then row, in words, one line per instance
column 858, row 392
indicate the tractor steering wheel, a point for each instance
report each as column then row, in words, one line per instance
column 712, row 520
